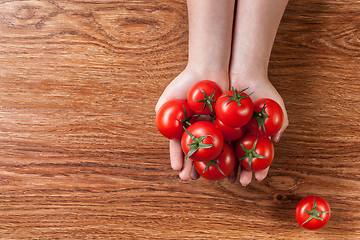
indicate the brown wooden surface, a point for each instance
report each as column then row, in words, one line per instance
column 80, row 157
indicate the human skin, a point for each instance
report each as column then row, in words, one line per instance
column 210, row 34
column 255, row 27
column 236, row 57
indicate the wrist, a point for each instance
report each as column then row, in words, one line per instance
column 248, row 78
column 211, row 64
column 249, row 70
column 202, row 72
column 210, row 71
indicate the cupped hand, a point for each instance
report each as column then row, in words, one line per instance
column 260, row 87
column 178, row 89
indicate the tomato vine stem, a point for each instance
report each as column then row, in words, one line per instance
column 260, row 117
column 237, row 96
column 250, row 153
column 197, row 143
column 213, row 162
column 314, row 213
column 207, row 100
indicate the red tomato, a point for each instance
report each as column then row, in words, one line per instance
column 230, row 133
column 217, row 168
column 171, row 117
column 312, row 212
column 234, row 108
column 267, row 118
column 202, row 141
column 198, row 118
column 254, row 152
column 202, row 97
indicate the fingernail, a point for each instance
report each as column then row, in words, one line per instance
column 278, row 137
column 243, row 184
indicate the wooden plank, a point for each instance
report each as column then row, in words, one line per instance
column 81, row 158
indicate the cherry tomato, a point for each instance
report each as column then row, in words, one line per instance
column 219, row 167
column 312, row 212
column 171, row 117
column 198, row 118
column 234, row 108
column 230, row 133
column 267, row 118
column 202, row 97
column 202, row 141
column 254, row 152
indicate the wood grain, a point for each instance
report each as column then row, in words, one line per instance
column 80, row 157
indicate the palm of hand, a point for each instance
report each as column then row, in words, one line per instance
column 180, row 86
column 178, row 89
column 260, row 88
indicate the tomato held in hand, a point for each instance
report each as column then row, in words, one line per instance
column 171, row 117
column 312, row 212
column 202, row 97
column 202, row 141
column 219, row 167
column 234, row 108
column 267, row 118
column 230, row 133
column 254, row 152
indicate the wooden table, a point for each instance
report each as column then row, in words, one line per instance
column 81, row 158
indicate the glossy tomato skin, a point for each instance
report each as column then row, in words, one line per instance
column 195, row 94
column 230, row 133
column 198, row 118
column 230, row 113
column 200, row 129
column 307, row 204
column 272, row 123
column 264, row 147
column 169, row 116
column 226, row 162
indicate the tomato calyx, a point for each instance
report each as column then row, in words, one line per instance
column 197, row 143
column 208, row 100
column 237, row 96
column 314, row 213
column 215, row 164
column 250, row 153
column 185, row 122
column 260, row 118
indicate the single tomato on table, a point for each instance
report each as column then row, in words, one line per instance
column 267, row 118
column 234, row 108
column 312, row 212
column 202, row 141
column 172, row 116
column 219, row 167
column 202, row 97
column 254, row 152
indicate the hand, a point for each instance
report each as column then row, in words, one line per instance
column 178, row 89
column 261, row 88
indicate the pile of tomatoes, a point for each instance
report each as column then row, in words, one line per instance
column 217, row 129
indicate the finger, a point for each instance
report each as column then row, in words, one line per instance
column 245, row 177
column 233, row 175
column 194, row 173
column 176, row 155
column 160, row 102
column 164, row 97
column 277, row 136
column 261, row 175
column 177, row 89
column 185, row 172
